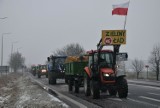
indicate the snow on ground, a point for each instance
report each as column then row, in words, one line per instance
column 18, row 91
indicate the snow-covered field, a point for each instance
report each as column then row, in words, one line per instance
column 18, row 91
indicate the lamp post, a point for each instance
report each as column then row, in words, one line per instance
column 3, row 18
column 3, row 34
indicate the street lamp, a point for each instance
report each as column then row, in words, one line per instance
column 3, row 34
column 3, row 18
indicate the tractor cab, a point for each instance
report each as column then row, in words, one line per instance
column 103, row 59
column 101, row 66
column 57, row 63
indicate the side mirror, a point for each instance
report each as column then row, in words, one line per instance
column 122, row 57
column 48, row 58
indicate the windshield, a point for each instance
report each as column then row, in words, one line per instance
column 106, row 59
column 43, row 66
column 57, row 64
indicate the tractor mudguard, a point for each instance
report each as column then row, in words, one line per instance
column 88, row 72
column 120, row 77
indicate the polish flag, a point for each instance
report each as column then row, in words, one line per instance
column 120, row 9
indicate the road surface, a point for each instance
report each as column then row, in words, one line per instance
column 139, row 96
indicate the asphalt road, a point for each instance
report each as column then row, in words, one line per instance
column 145, row 95
column 139, row 96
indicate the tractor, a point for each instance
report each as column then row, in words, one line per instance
column 56, row 68
column 104, row 72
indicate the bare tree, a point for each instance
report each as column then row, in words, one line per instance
column 73, row 49
column 154, row 60
column 138, row 66
column 16, row 61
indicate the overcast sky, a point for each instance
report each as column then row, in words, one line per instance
column 42, row 26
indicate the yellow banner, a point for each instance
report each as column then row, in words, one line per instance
column 113, row 37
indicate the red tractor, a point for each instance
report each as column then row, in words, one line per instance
column 104, row 74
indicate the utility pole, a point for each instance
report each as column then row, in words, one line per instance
column 3, row 34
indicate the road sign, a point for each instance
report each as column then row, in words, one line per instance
column 113, row 37
column 4, row 68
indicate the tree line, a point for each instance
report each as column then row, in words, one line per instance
column 154, row 62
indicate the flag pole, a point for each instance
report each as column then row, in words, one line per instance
column 126, row 18
column 125, row 22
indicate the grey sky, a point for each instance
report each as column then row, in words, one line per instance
column 42, row 26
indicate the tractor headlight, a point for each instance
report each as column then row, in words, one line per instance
column 44, row 70
column 117, row 66
column 106, row 75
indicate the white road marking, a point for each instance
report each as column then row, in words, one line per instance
column 158, row 88
column 141, row 102
column 115, row 99
column 144, row 97
column 154, row 94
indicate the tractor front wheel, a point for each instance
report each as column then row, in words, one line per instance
column 122, row 88
column 95, row 89
column 87, row 88
column 112, row 91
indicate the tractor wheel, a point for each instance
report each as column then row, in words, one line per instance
column 39, row 76
column 51, row 81
column 112, row 91
column 70, row 85
column 122, row 88
column 95, row 89
column 76, row 87
column 66, row 80
column 87, row 88
column 47, row 76
column 34, row 74
column 54, row 81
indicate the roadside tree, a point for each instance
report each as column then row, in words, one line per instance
column 73, row 49
column 16, row 61
column 138, row 66
column 154, row 60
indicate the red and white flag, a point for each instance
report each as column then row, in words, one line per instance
column 120, row 9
